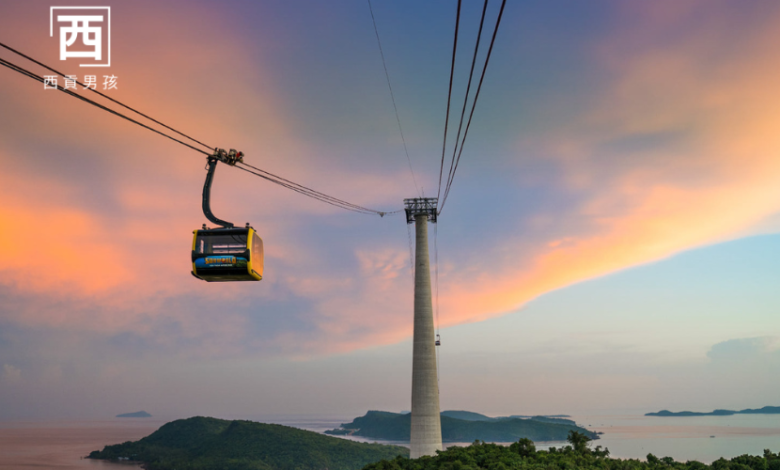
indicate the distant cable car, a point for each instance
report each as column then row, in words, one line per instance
column 438, row 340
column 226, row 253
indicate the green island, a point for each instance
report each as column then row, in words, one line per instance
column 767, row 410
column 522, row 455
column 137, row 414
column 463, row 426
column 471, row 416
column 209, row 443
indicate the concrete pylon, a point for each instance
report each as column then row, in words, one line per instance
column 426, row 419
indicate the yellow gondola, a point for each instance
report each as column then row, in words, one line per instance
column 226, row 253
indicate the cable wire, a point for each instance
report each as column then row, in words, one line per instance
column 449, row 96
column 104, row 95
column 392, row 97
column 473, row 105
column 436, row 273
column 468, row 91
column 436, row 283
column 411, row 252
column 251, row 169
column 93, row 103
column 299, row 188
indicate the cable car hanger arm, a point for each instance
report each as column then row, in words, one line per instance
column 220, row 155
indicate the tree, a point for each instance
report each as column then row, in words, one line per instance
column 653, row 460
column 598, row 452
column 525, row 447
column 579, row 441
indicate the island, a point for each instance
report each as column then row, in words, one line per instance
column 463, row 426
column 137, row 414
column 471, row 416
column 206, row 443
column 767, row 410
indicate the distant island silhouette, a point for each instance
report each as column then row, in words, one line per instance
column 464, row 426
column 137, row 414
column 767, row 410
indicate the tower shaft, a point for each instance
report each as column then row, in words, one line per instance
column 426, row 418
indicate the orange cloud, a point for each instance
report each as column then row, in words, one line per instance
column 717, row 178
column 77, row 258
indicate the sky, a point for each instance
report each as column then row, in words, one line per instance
column 608, row 245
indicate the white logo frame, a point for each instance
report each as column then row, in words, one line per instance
column 108, row 9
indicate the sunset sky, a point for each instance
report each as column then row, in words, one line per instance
column 611, row 242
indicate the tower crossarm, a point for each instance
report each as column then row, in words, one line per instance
column 421, row 206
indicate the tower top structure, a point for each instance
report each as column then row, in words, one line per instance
column 421, row 206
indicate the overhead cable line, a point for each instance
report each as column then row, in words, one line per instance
column 411, row 252
column 473, row 107
column 322, row 197
column 468, row 91
column 436, row 272
column 104, row 95
column 449, row 97
column 39, row 78
column 392, row 97
column 299, row 188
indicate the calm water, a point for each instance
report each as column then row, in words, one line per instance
column 61, row 444
column 686, row 438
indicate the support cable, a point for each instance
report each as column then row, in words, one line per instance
column 449, row 97
column 411, row 252
column 268, row 176
column 246, row 167
column 39, row 78
column 436, row 272
column 473, row 105
column 392, row 97
column 103, row 95
column 436, row 284
column 468, row 91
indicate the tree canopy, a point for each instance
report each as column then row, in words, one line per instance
column 522, row 455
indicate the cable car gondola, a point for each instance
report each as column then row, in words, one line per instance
column 227, row 253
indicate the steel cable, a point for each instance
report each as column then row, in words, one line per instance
column 449, row 96
column 468, row 91
column 473, row 105
column 322, row 197
column 103, row 95
column 93, row 103
column 392, row 98
column 299, row 188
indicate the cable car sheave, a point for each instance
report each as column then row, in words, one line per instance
column 226, row 253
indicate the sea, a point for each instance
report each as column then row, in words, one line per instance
column 64, row 444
